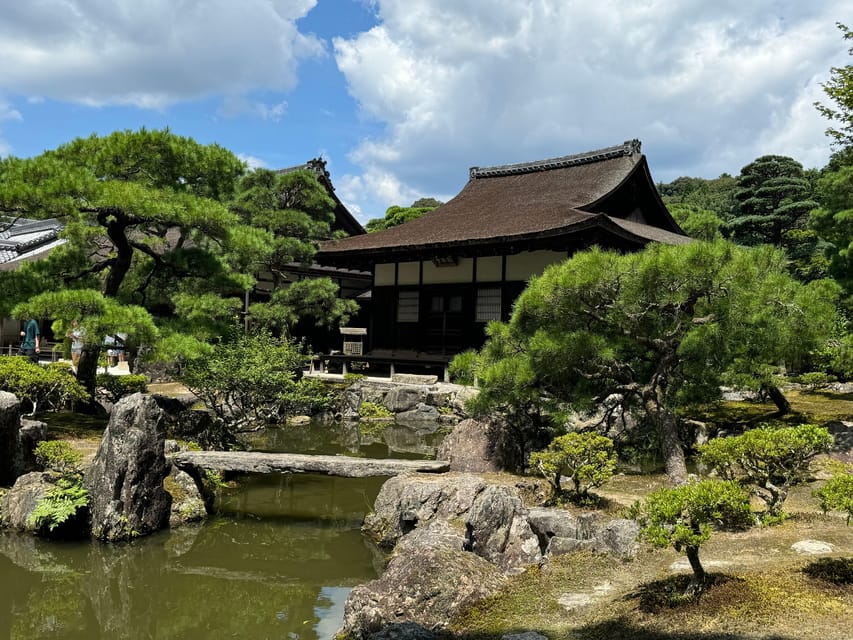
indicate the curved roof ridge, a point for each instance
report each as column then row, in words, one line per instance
column 627, row 148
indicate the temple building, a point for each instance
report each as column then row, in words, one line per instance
column 439, row 279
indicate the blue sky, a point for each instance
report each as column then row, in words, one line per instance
column 402, row 96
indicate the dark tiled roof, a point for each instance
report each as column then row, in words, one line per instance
column 517, row 201
column 23, row 239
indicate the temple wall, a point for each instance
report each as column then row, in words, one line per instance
column 519, row 268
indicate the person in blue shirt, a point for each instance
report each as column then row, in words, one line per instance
column 31, row 341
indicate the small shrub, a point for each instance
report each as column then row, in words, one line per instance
column 58, row 456
column 40, row 388
column 682, row 516
column 587, row 458
column 837, row 495
column 463, row 368
column 250, row 381
column 815, row 380
column 117, row 387
column 770, row 459
column 370, row 410
column 352, row 378
column 309, row 396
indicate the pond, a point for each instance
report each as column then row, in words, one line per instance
column 277, row 560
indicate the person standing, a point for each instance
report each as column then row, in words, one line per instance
column 31, row 341
column 76, row 333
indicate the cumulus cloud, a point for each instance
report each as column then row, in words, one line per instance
column 251, row 161
column 8, row 112
column 239, row 105
column 151, row 54
column 706, row 86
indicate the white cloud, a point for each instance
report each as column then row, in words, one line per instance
column 707, row 87
column 8, row 112
column 151, row 54
column 233, row 106
column 251, row 161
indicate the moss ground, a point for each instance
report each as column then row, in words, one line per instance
column 761, row 588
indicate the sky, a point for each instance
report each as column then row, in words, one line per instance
column 401, row 97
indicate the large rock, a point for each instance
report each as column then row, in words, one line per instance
column 125, row 481
column 21, row 500
column 29, row 435
column 476, row 446
column 404, row 397
column 18, row 440
column 560, row 532
column 187, row 501
column 497, row 529
column 423, row 417
column 423, row 588
column 405, row 502
column 10, row 422
column 492, row 516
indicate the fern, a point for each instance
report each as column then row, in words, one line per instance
column 59, row 504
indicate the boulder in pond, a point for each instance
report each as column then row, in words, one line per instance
column 491, row 516
column 478, row 446
column 10, row 422
column 125, row 481
column 23, row 498
column 187, row 502
column 404, row 398
column 424, row 588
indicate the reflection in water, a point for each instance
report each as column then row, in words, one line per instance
column 371, row 440
column 277, row 562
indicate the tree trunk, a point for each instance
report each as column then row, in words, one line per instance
column 670, row 444
column 778, row 398
column 87, row 371
column 697, row 582
column 121, row 263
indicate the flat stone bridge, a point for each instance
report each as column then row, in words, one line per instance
column 344, row 466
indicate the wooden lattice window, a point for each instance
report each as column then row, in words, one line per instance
column 488, row 304
column 407, row 306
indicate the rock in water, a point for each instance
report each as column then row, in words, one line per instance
column 125, row 481
column 10, row 422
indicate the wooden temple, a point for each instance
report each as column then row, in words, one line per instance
column 437, row 280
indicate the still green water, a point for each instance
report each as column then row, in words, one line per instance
column 276, row 561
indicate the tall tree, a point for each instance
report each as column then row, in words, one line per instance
column 833, row 220
column 297, row 212
column 774, row 198
column 663, row 327
column 716, row 195
column 146, row 201
column 839, row 89
column 293, row 207
column 397, row 215
column 701, row 224
column 144, row 218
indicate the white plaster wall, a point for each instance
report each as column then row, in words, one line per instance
column 523, row 265
column 462, row 272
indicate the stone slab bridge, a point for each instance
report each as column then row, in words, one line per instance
column 344, row 466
